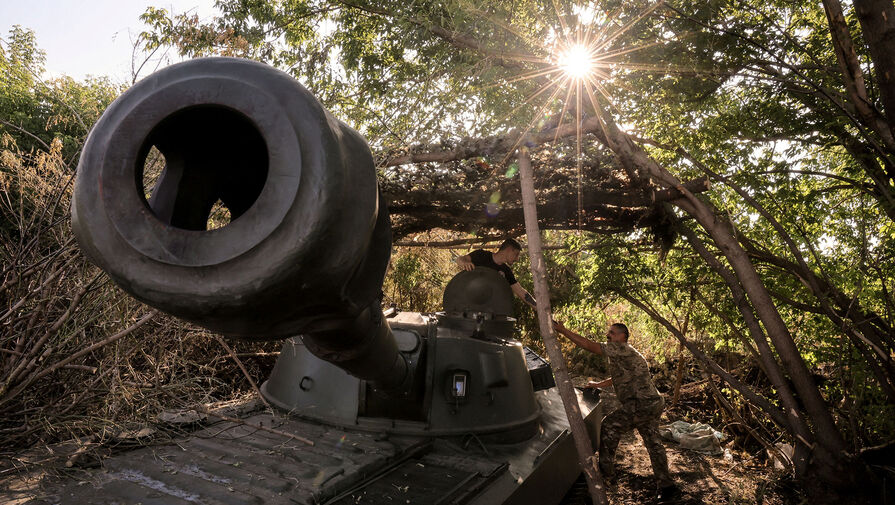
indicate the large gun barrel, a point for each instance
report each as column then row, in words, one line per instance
column 308, row 241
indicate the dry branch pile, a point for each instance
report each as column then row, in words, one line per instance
column 78, row 357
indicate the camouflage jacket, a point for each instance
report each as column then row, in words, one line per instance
column 629, row 371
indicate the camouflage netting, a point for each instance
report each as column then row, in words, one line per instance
column 472, row 186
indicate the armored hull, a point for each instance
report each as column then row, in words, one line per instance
column 234, row 463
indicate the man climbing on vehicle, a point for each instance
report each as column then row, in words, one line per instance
column 506, row 255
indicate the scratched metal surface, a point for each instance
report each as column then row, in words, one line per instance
column 234, row 463
column 229, row 463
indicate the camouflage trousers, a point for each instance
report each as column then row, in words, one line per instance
column 643, row 415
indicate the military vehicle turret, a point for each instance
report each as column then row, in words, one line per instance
column 451, row 407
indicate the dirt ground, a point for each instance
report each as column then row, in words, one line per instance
column 704, row 480
column 736, row 477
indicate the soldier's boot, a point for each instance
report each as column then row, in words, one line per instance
column 668, row 494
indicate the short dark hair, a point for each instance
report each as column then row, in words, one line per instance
column 623, row 328
column 510, row 242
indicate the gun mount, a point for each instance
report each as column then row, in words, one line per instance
column 471, row 376
column 303, row 258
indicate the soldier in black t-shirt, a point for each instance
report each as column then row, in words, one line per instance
column 506, row 255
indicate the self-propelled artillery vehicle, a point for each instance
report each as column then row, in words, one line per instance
column 372, row 407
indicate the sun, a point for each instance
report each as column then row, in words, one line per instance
column 577, row 61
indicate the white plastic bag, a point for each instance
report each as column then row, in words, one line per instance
column 697, row 437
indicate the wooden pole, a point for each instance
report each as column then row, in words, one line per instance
column 557, row 361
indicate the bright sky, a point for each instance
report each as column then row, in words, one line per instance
column 94, row 37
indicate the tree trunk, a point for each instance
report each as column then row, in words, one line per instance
column 545, row 320
column 853, row 76
column 869, row 324
column 797, row 425
column 877, row 19
column 826, row 433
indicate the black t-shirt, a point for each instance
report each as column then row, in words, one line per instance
column 483, row 258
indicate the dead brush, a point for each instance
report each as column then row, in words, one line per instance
column 79, row 359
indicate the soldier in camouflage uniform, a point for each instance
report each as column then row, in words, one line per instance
column 641, row 403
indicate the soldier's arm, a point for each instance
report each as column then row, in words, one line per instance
column 577, row 339
column 465, row 262
column 524, row 295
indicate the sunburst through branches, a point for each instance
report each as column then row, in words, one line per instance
column 581, row 58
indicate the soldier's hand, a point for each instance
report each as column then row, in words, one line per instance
column 465, row 263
